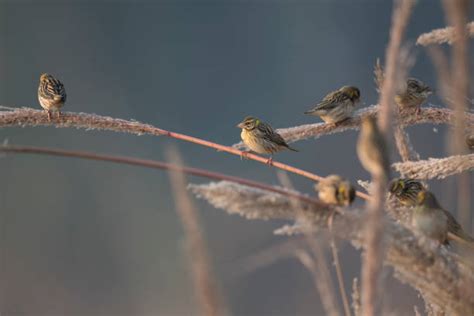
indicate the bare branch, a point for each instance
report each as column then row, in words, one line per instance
column 441, row 36
column 31, row 117
column 435, row 168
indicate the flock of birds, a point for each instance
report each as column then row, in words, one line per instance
column 428, row 217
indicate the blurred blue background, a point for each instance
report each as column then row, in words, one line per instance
column 91, row 238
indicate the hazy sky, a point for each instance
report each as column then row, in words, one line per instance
column 89, row 238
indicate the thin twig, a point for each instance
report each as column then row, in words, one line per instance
column 155, row 165
column 205, row 285
column 31, row 117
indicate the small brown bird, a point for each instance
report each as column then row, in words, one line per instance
column 405, row 190
column 371, row 148
column 470, row 141
column 429, row 218
column 260, row 137
column 413, row 94
column 335, row 190
column 428, row 200
column 337, row 106
column 51, row 94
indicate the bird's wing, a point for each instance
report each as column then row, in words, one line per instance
column 332, row 100
column 270, row 135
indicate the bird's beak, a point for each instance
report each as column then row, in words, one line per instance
column 240, row 125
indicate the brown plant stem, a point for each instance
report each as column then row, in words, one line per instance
column 456, row 14
column 205, row 285
column 31, row 117
column 155, row 165
column 373, row 256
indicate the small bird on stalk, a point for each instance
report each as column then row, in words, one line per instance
column 337, row 106
column 430, row 205
column 429, row 218
column 372, row 149
column 405, row 191
column 335, row 190
column 260, row 137
column 51, row 94
column 413, row 94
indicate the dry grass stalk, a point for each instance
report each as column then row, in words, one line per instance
column 373, row 255
column 435, row 168
column 428, row 115
column 205, row 286
column 443, row 75
column 340, row 276
column 318, row 266
column 444, row 35
column 430, row 269
column 356, row 298
column 456, row 13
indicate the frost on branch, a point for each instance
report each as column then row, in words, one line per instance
column 435, row 167
column 424, row 265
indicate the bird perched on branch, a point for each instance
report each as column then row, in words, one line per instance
column 413, row 94
column 429, row 218
column 372, row 149
column 405, row 191
column 426, row 198
column 335, row 190
column 51, row 94
column 260, row 137
column 337, row 106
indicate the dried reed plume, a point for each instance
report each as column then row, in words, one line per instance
column 443, row 35
column 435, row 168
column 417, row 261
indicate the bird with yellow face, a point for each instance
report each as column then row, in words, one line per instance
column 335, row 190
column 337, row 106
column 51, row 94
column 429, row 218
column 261, row 138
column 405, row 191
